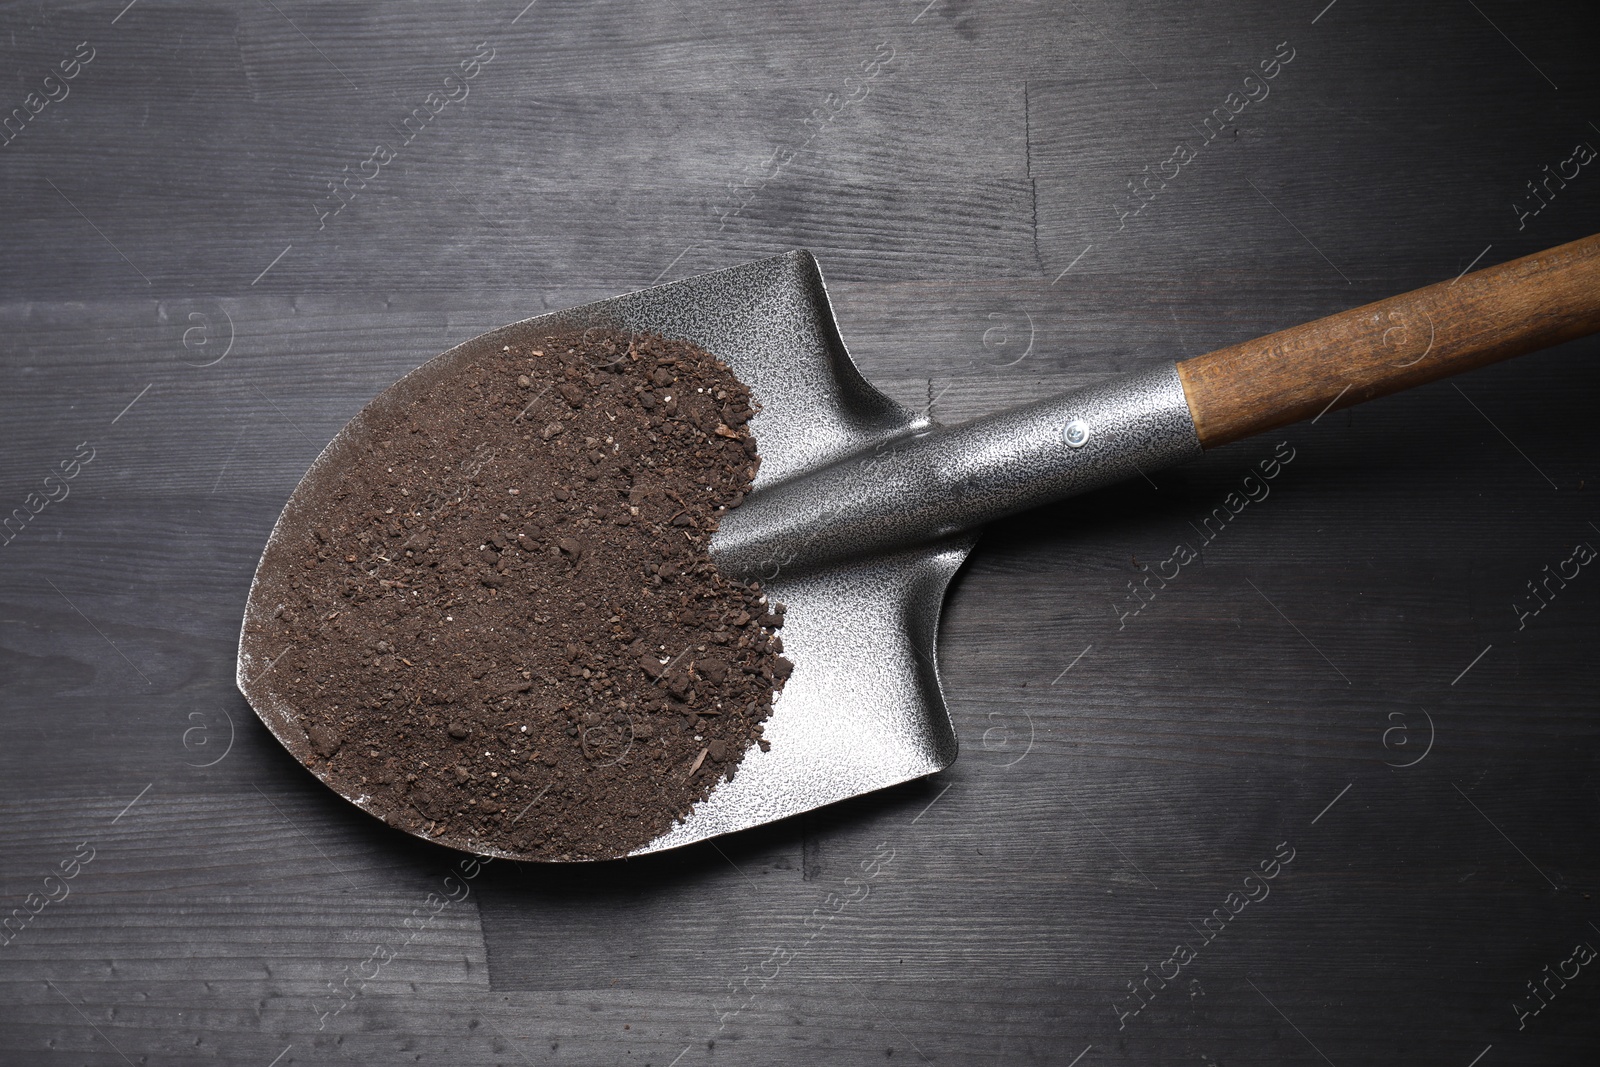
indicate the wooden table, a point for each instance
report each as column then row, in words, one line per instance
column 235, row 223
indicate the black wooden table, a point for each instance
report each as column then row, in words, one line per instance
column 227, row 225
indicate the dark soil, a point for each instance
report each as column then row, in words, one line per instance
column 506, row 630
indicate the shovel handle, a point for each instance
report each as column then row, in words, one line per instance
column 924, row 487
column 1381, row 348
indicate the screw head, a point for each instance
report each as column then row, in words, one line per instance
column 1076, row 433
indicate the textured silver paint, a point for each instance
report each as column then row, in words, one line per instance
column 933, row 484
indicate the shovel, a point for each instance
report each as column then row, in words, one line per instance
column 863, row 510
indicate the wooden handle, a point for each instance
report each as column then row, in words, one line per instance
column 1371, row 351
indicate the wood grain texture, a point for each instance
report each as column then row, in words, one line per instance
column 1380, row 348
column 1119, row 771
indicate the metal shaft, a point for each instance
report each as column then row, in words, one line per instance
column 943, row 481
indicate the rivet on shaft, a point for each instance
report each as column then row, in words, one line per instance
column 1076, row 434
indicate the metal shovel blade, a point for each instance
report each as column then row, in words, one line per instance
column 863, row 708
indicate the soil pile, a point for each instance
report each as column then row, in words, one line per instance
column 506, row 630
